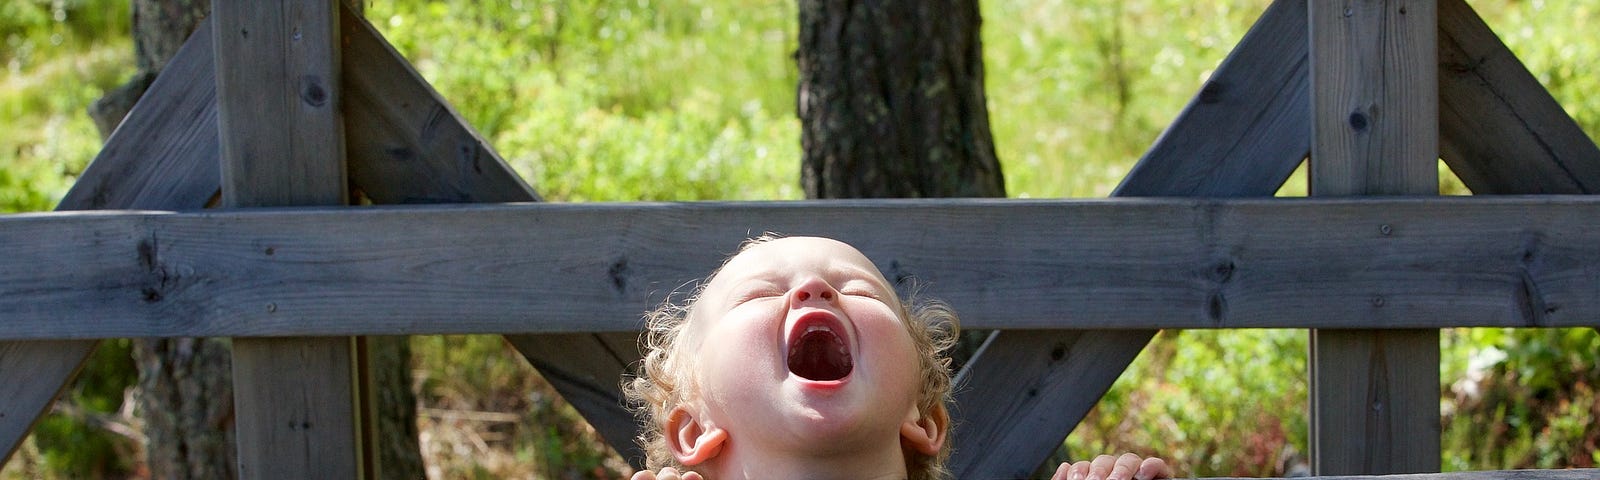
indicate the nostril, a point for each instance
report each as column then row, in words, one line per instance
column 827, row 295
column 803, row 296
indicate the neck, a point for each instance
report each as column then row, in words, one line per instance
column 749, row 463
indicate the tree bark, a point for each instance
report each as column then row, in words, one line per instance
column 186, row 399
column 891, row 101
column 185, row 384
column 891, row 105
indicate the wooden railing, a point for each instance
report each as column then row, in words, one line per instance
column 1040, row 266
column 561, row 268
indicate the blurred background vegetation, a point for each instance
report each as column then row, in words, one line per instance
column 624, row 100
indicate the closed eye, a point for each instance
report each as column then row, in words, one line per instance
column 861, row 289
column 747, row 295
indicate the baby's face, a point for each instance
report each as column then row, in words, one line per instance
column 799, row 341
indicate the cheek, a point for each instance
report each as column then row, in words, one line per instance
column 737, row 359
column 901, row 366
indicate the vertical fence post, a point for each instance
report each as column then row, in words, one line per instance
column 278, row 96
column 1375, row 131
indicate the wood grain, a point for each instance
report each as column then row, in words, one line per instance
column 163, row 156
column 1374, row 110
column 553, row 268
column 1242, row 135
column 1246, row 130
column 407, row 145
column 591, row 367
column 1375, row 131
column 35, row 373
column 278, row 97
column 1500, row 131
column 1574, row 474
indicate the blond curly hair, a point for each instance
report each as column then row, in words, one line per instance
column 665, row 380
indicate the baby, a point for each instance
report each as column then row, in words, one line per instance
column 798, row 360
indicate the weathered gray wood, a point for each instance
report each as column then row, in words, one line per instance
column 562, row 268
column 1493, row 112
column 35, row 373
column 407, row 145
column 1050, row 379
column 163, row 156
column 1575, row 474
column 1374, row 109
column 1374, row 401
column 1501, row 131
column 568, row 359
column 1247, row 129
column 278, row 97
column 1375, row 131
column 1242, row 135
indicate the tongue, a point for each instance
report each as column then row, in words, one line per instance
column 820, row 355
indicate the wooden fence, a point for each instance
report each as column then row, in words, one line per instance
column 279, row 105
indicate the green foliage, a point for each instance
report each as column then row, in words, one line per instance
column 1521, row 399
column 59, row 56
column 528, row 432
column 70, row 443
column 623, row 101
column 1178, row 401
column 1078, row 88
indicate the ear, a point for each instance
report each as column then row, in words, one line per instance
column 691, row 442
column 925, row 433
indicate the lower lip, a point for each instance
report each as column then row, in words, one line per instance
column 823, row 385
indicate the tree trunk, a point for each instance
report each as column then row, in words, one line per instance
column 891, row 100
column 891, row 105
column 186, row 399
column 185, row 384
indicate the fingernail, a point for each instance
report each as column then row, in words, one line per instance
column 1093, row 477
column 1075, row 476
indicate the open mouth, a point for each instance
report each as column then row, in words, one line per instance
column 817, row 349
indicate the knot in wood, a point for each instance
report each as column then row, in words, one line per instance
column 312, row 92
column 618, row 273
column 1223, row 272
column 1359, row 121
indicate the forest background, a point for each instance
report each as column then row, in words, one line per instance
column 628, row 100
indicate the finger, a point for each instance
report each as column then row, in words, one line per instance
column 1100, row 467
column 1153, row 468
column 643, row 475
column 1079, row 470
column 669, row 473
column 1126, row 465
column 1063, row 472
column 691, row 476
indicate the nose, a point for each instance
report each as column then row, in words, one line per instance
column 810, row 290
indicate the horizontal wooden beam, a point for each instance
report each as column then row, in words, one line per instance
column 554, row 268
column 1572, row 474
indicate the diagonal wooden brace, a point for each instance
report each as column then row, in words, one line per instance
column 162, row 156
column 1242, row 135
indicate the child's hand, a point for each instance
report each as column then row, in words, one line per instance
column 1106, row 467
column 668, row 473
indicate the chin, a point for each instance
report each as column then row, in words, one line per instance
column 835, row 417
